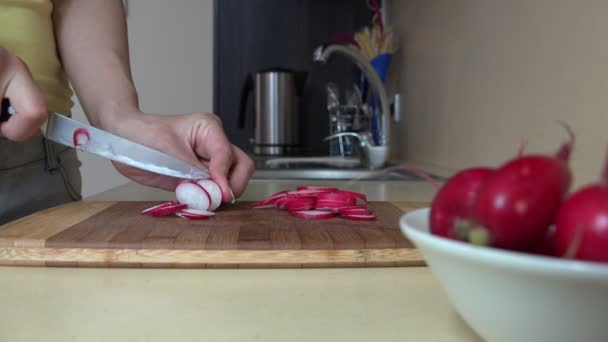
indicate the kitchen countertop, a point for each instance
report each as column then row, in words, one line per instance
column 351, row 304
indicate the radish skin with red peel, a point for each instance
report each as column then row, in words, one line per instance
column 361, row 217
column 81, row 137
column 167, row 210
column 453, row 203
column 519, row 202
column 582, row 223
column 156, row 207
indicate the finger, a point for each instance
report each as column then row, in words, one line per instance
column 242, row 171
column 220, row 155
column 27, row 100
column 212, row 144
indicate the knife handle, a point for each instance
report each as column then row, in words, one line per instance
column 6, row 110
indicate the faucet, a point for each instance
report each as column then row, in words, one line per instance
column 375, row 156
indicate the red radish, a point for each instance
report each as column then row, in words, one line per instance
column 192, row 194
column 453, row 204
column 167, row 210
column 81, row 137
column 264, row 204
column 330, row 206
column 582, row 223
column 356, row 207
column 361, row 199
column 336, row 197
column 158, row 206
column 317, row 202
column 368, row 217
column 313, row 214
column 300, row 204
column 214, row 192
column 516, row 205
column 281, row 202
column 304, row 193
column 354, row 212
column 270, row 201
column 279, row 194
column 336, row 202
column 194, row 214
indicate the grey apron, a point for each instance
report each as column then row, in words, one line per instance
column 35, row 175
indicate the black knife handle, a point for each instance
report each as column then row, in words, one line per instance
column 4, row 111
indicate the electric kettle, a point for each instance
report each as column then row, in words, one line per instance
column 277, row 110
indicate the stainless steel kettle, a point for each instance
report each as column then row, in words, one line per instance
column 277, row 110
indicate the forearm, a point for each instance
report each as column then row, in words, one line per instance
column 92, row 42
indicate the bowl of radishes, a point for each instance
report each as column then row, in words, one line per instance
column 521, row 255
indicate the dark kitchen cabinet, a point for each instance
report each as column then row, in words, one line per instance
column 252, row 35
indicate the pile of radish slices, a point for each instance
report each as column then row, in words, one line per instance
column 196, row 200
column 314, row 202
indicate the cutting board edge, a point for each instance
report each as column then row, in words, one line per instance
column 183, row 258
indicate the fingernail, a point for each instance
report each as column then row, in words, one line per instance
column 232, row 194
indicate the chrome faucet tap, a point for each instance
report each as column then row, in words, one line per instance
column 380, row 151
column 374, row 156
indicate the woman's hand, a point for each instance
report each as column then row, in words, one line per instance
column 197, row 138
column 17, row 84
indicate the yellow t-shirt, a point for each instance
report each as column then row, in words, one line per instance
column 26, row 30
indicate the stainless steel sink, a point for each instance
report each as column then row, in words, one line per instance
column 328, row 168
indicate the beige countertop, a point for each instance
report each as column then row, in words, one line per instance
column 358, row 304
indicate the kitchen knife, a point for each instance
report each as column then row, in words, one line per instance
column 66, row 131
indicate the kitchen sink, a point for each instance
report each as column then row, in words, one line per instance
column 328, row 168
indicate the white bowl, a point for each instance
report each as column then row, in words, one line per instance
column 510, row 296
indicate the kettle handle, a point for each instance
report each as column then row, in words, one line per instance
column 247, row 88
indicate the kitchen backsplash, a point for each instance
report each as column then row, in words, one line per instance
column 477, row 77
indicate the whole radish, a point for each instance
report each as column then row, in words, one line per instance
column 582, row 223
column 452, row 206
column 517, row 204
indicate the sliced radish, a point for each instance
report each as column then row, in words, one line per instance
column 360, row 217
column 319, row 202
column 158, row 206
column 337, row 196
column 354, row 207
column 281, row 202
column 279, row 194
column 304, row 193
column 312, row 214
column 361, row 199
column 263, row 204
column 355, row 212
column 332, row 204
column 168, row 210
column 81, row 137
column 301, row 200
column 214, row 192
column 298, row 205
column 192, row 194
column 194, row 214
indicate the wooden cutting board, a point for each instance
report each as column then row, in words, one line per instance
column 115, row 234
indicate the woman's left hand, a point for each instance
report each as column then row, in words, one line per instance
column 196, row 138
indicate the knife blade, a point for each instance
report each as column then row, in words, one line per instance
column 64, row 130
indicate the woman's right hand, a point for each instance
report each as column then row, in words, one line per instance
column 27, row 99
